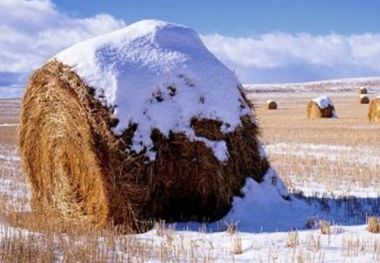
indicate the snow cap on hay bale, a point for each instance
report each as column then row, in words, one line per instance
column 271, row 105
column 142, row 123
column 321, row 107
column 364, row 99
column 363, row 90
column 374, row 110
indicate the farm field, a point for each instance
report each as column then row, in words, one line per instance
column 339, row 156
column 215, row 131
column 331, row 165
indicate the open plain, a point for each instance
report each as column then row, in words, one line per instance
column 329, row 163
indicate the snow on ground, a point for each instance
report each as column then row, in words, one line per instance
column 354, row 156
column 344, row 244
column 8, row 124
column 13, row 187
column 263, row 217
column 158, row 75
column 261, row 205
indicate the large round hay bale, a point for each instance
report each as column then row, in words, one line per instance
column 374, row 110
column 321, row 107
column 364, row 99
column 129, row 127
column 271, row 105
column 363, row 90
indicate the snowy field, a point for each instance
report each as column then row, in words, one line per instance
column 339, row 85
column 330, row 167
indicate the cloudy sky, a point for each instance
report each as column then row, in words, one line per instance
column 262, row 41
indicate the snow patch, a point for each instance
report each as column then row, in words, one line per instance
column 263, row 201
column 323, row 102
column 158, row 75
column 8, row 124
column 262, row 152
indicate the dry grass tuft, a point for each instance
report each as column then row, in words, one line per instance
column 292, row 240
column 25, row 249
column 237, row 244
column 232, row 228
column 373, row 224
column 325, row 227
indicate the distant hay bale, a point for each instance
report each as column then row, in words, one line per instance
column 80, row 170
column 364, row 99
column 321, row 107
column 271, row 105
column 363, row 90
column 374, row 110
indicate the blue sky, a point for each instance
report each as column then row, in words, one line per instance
column 263, row 41
column 243, row 17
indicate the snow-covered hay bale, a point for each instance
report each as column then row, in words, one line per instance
column 363, row 90
column 142, row 123
column 374, row 110
column 271, row 105
column 364, row 99
column 321, row 107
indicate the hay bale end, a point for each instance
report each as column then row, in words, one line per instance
column 271, row 105
column 363, row 90
column 364, row 99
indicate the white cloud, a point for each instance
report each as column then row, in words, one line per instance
column 33, row 31
column 328, row 56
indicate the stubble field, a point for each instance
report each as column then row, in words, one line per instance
column 329, row 159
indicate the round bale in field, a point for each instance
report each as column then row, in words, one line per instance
column 364, row 99
column 271, row 105
column 140, row 124
column 321, row 107
column 363, row 90
column 374, row 110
